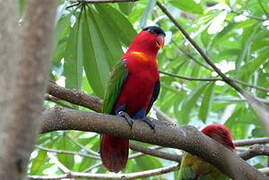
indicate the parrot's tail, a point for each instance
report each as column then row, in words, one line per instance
column 114, row 152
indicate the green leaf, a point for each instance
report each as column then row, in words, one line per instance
column 190, row 102
column 249, row 34
column 91, row 50
column 188, row 6
column 38, row 163
column 73, row 66
column 66, row 159
column 111, row 43
column 126, row 7
column 253, row 65
column 147, row 163
column 119, row 25
column 206, row 102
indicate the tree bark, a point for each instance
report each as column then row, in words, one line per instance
column 23, row 82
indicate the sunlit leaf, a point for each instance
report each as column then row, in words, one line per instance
column 188, row 5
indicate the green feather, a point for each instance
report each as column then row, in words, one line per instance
column 191, row 164
column 117, row 78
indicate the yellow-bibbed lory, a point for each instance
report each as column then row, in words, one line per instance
column 195, row 168
column 133, row 87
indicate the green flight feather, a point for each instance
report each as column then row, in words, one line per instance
column 117, row 78
column 191, row 165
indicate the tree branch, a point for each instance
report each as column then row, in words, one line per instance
column 75, row 96
column 67, row 152
column 142, row 174
column 255, row 150
column 167, row 135
column 244, row 142
column 156, row 153
column 62, row 167
column 190, row 78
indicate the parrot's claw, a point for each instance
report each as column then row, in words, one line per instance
column 149, row 123
column 126, row 116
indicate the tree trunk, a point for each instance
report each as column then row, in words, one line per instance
column 23, row 81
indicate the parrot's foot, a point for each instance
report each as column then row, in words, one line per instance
column 126, row 116
column 149, row 123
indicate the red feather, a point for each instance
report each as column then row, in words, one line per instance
column 136, row 93
column 220, row 133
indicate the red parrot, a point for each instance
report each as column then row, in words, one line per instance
column 195, row 168
column 133, row 87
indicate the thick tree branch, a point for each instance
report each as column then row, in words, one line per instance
column 183, row 137
column 95, row 103
column 75, row 96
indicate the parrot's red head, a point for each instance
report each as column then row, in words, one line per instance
column 150, row 40
column 220, row 133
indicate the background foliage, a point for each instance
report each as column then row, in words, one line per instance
column 90, row 39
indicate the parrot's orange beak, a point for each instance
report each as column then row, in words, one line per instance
column 160, row 41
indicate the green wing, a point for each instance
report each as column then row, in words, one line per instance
column 191, row 164
column 187, row 170
column 117, row 78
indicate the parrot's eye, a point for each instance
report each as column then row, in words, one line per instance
column 152, row 31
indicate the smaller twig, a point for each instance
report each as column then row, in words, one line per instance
column 138, row 154
column 190, row 78
column 241, row 149
column 136, row 175
column 265, row 171
column 72, row 5
column 156, row 153
column 255, row 150
column 266, row 101
column 251, row 85
column 66, row 152
column 192, row 57
column 93, row 167
column 162, row 116
column 58, row 163
column 83, row 147
column 56, row 101
column 214, row 79
column 245, row 142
